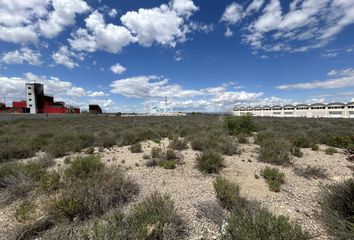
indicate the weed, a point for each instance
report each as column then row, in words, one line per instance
column 296, row 151
column 228, row 194
column 273, row 177
column 331, row 151
column 50, row 181
column 314, row 147
column 168, row 164
column 24, row 211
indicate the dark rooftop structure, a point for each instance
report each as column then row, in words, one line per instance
column 95, row 109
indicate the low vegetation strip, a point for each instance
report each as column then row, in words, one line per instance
column 247, row 220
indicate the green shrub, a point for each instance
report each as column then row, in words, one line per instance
column 156, row 218
column 209, row 161
column 237, row 125
column 24, row 211
column 178, row 144
column 228, row 194
column 273, row 177
column 296, row 151
column 168, row 164
column 331, row 151
column 337, row 209
column 344, row 142
column 50, row 181
column 275, row 151
column 136, row 148
column 156, row 152
column 302, row 141
column 84, row 167
column 261, row 224
column 314, row 147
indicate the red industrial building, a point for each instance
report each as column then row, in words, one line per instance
column 37, row 102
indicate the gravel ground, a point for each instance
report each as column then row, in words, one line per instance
column 298, row 198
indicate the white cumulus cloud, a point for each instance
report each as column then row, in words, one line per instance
column 118, row 68
column 340, row 79
column 303, row 25
column 25, row 21
column 100, row 36
column 65, row 57
column 24, row 55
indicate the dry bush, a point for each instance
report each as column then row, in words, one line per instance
column 95, row 195
column 156, row 152
column 17, row 179
column 84, row 167
column 179, row 144
column 156, row 218
column 337, row 209
column 312, row 172
column 90, row 189
column 153, row 218
column 136, row 148
column 262, row 224
column 210, row 210
column 229, row 146
column 275, row 151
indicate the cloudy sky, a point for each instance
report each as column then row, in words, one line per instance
column 203, row 55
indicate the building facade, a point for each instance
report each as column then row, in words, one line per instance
column 317, row 110
column 35, row 95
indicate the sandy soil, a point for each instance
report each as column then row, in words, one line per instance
column 297, row 199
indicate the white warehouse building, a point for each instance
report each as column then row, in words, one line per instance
column 317, row 110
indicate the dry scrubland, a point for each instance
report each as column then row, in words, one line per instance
column 196, row 177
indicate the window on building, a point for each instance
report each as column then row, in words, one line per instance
column 29, row 93
column 30, row 105
column 29, row 87
column 30, row 99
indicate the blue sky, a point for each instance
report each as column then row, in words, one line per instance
column 202, row 55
